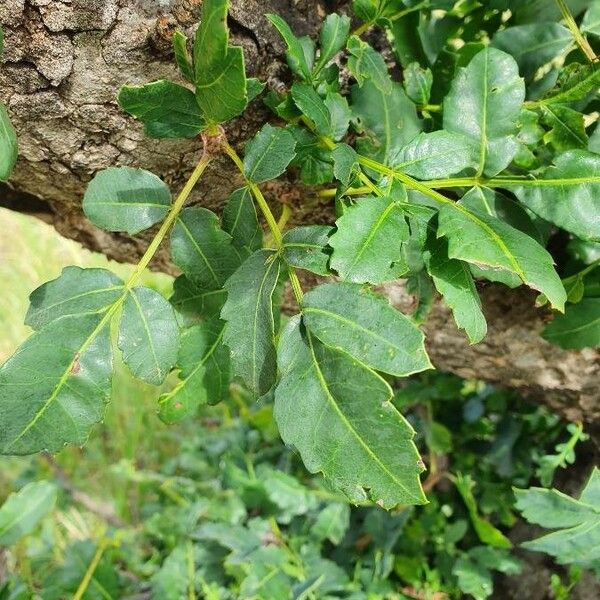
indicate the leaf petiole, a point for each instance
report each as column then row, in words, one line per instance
column 268, row 215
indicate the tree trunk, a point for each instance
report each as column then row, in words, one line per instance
column 64, row 63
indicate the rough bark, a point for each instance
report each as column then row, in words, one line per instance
column 64, row 63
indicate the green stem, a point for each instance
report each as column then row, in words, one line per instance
column 268, row 215
column 87, row 578
column 577, row 35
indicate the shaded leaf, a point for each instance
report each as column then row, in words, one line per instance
column 345, row 161
column 148, row 335
column 202, row 250
column 350, row 318
column 296, row 57
column 577, row 539
column 268, row 154
column 8, row 145
column 591, row 20
column 340, row 114
column 454, row 282
column 313, row 107
column 417, row 83
column 166, row 109
column 368, row 64
column 250, row 321
column 193, row 303
column 306, row 248
column 340, row 431
column 182, row 55
column 389, row 121
column 126, row 199
column 578, row 328
column 567, row 127
column 332, row 523
column 241, row 222
column 24, row 509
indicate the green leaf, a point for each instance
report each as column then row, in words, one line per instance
column 417, row 83
column 268, row 154
column 345, row 161
column 241, row 222
column 484, row 105
column 591, row 20
column 436, row 155
column 368, row 241
column 250, row 320
column 23, row 510
column 533, row 45
column 577, row 539
column 453, row 280
column 389, row 121
column 201, row 363
column 332, row 523
column 368, row 64
column 182, row 56
column 340, row 114
column 76, row 292
column 221, row 92
column 486, row 532
column 578, row 328
column 312, row 158
column 220, row 73
column 333, row 37
column 567, row 127
column 337, row 428
column 296, row 58
column 306, row 248
column 46, row 409
column 490, row 243
column 148, row 335
column 350, row 318
column 202, row 250
column 567, row 194
column 575, row 82
column 473, row 578
column 166, row 109
column 126, row 199
column 195, row 304
column 8, row 145
column 313, row 107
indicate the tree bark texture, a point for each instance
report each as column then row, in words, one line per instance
column 64, row 63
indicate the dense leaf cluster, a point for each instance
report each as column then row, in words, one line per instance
column 461, row 170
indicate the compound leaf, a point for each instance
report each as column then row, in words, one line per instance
column 250, row 320
column 484, row 105
column 350, row 318
column 337, row 413
column 148, row 335
column 166, row 109
column 126, row 199
column 368, row 241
